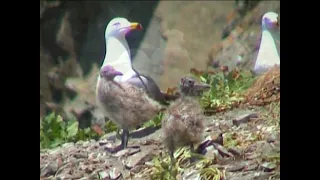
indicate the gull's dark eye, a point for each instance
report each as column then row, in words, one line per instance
column 116, row 24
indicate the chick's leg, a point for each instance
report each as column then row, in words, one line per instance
column 125, row 138
column 124, row 142
column 193, row 151
column 171, row 149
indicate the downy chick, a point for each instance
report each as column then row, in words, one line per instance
column 182, row 124
column 125, row 104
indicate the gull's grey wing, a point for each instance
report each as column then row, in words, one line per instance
column 152, row 88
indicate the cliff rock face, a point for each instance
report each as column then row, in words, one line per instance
column 190, row 29
column 177, row 36
column 63, row 27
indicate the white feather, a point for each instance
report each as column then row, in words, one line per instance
column 268, row 55
column 117, row 49
column 118, row 56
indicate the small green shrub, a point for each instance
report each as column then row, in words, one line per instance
column 54, row 131
column 156, row 121
column 226, row 91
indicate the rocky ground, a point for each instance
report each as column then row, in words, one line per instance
column 240, row 143
column 250, row 150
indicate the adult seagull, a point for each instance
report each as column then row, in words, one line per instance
column 268, row 55
column 118, row 56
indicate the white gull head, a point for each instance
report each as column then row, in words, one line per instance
column 268, row 55
column 270, row 21
column 117, row 48
column 119, row 27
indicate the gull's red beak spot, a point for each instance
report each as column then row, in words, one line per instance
column 136, row 26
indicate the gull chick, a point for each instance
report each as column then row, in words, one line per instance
column 182, row 124
column 127, row 105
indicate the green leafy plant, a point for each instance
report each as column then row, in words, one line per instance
column 156, row 121
column 110, row 127
column 54, row 131
column 161, row 166
column 211, row 173
column 226, row 89
column 164, row 170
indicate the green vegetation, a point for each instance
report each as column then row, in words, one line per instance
column 110, row 127
column 155, row 122
column 226, row 91
column 54, row 131
column 203, row 167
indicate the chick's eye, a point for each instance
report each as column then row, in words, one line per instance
column 116, row 24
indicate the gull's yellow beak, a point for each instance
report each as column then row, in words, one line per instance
column 277, row 23
column 135, row 25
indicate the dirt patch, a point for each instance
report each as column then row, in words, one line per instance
column 266, row 89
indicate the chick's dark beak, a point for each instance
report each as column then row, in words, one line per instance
column 202, row 86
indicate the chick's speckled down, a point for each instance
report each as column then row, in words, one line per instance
column 125, row 104
column 182, row 124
